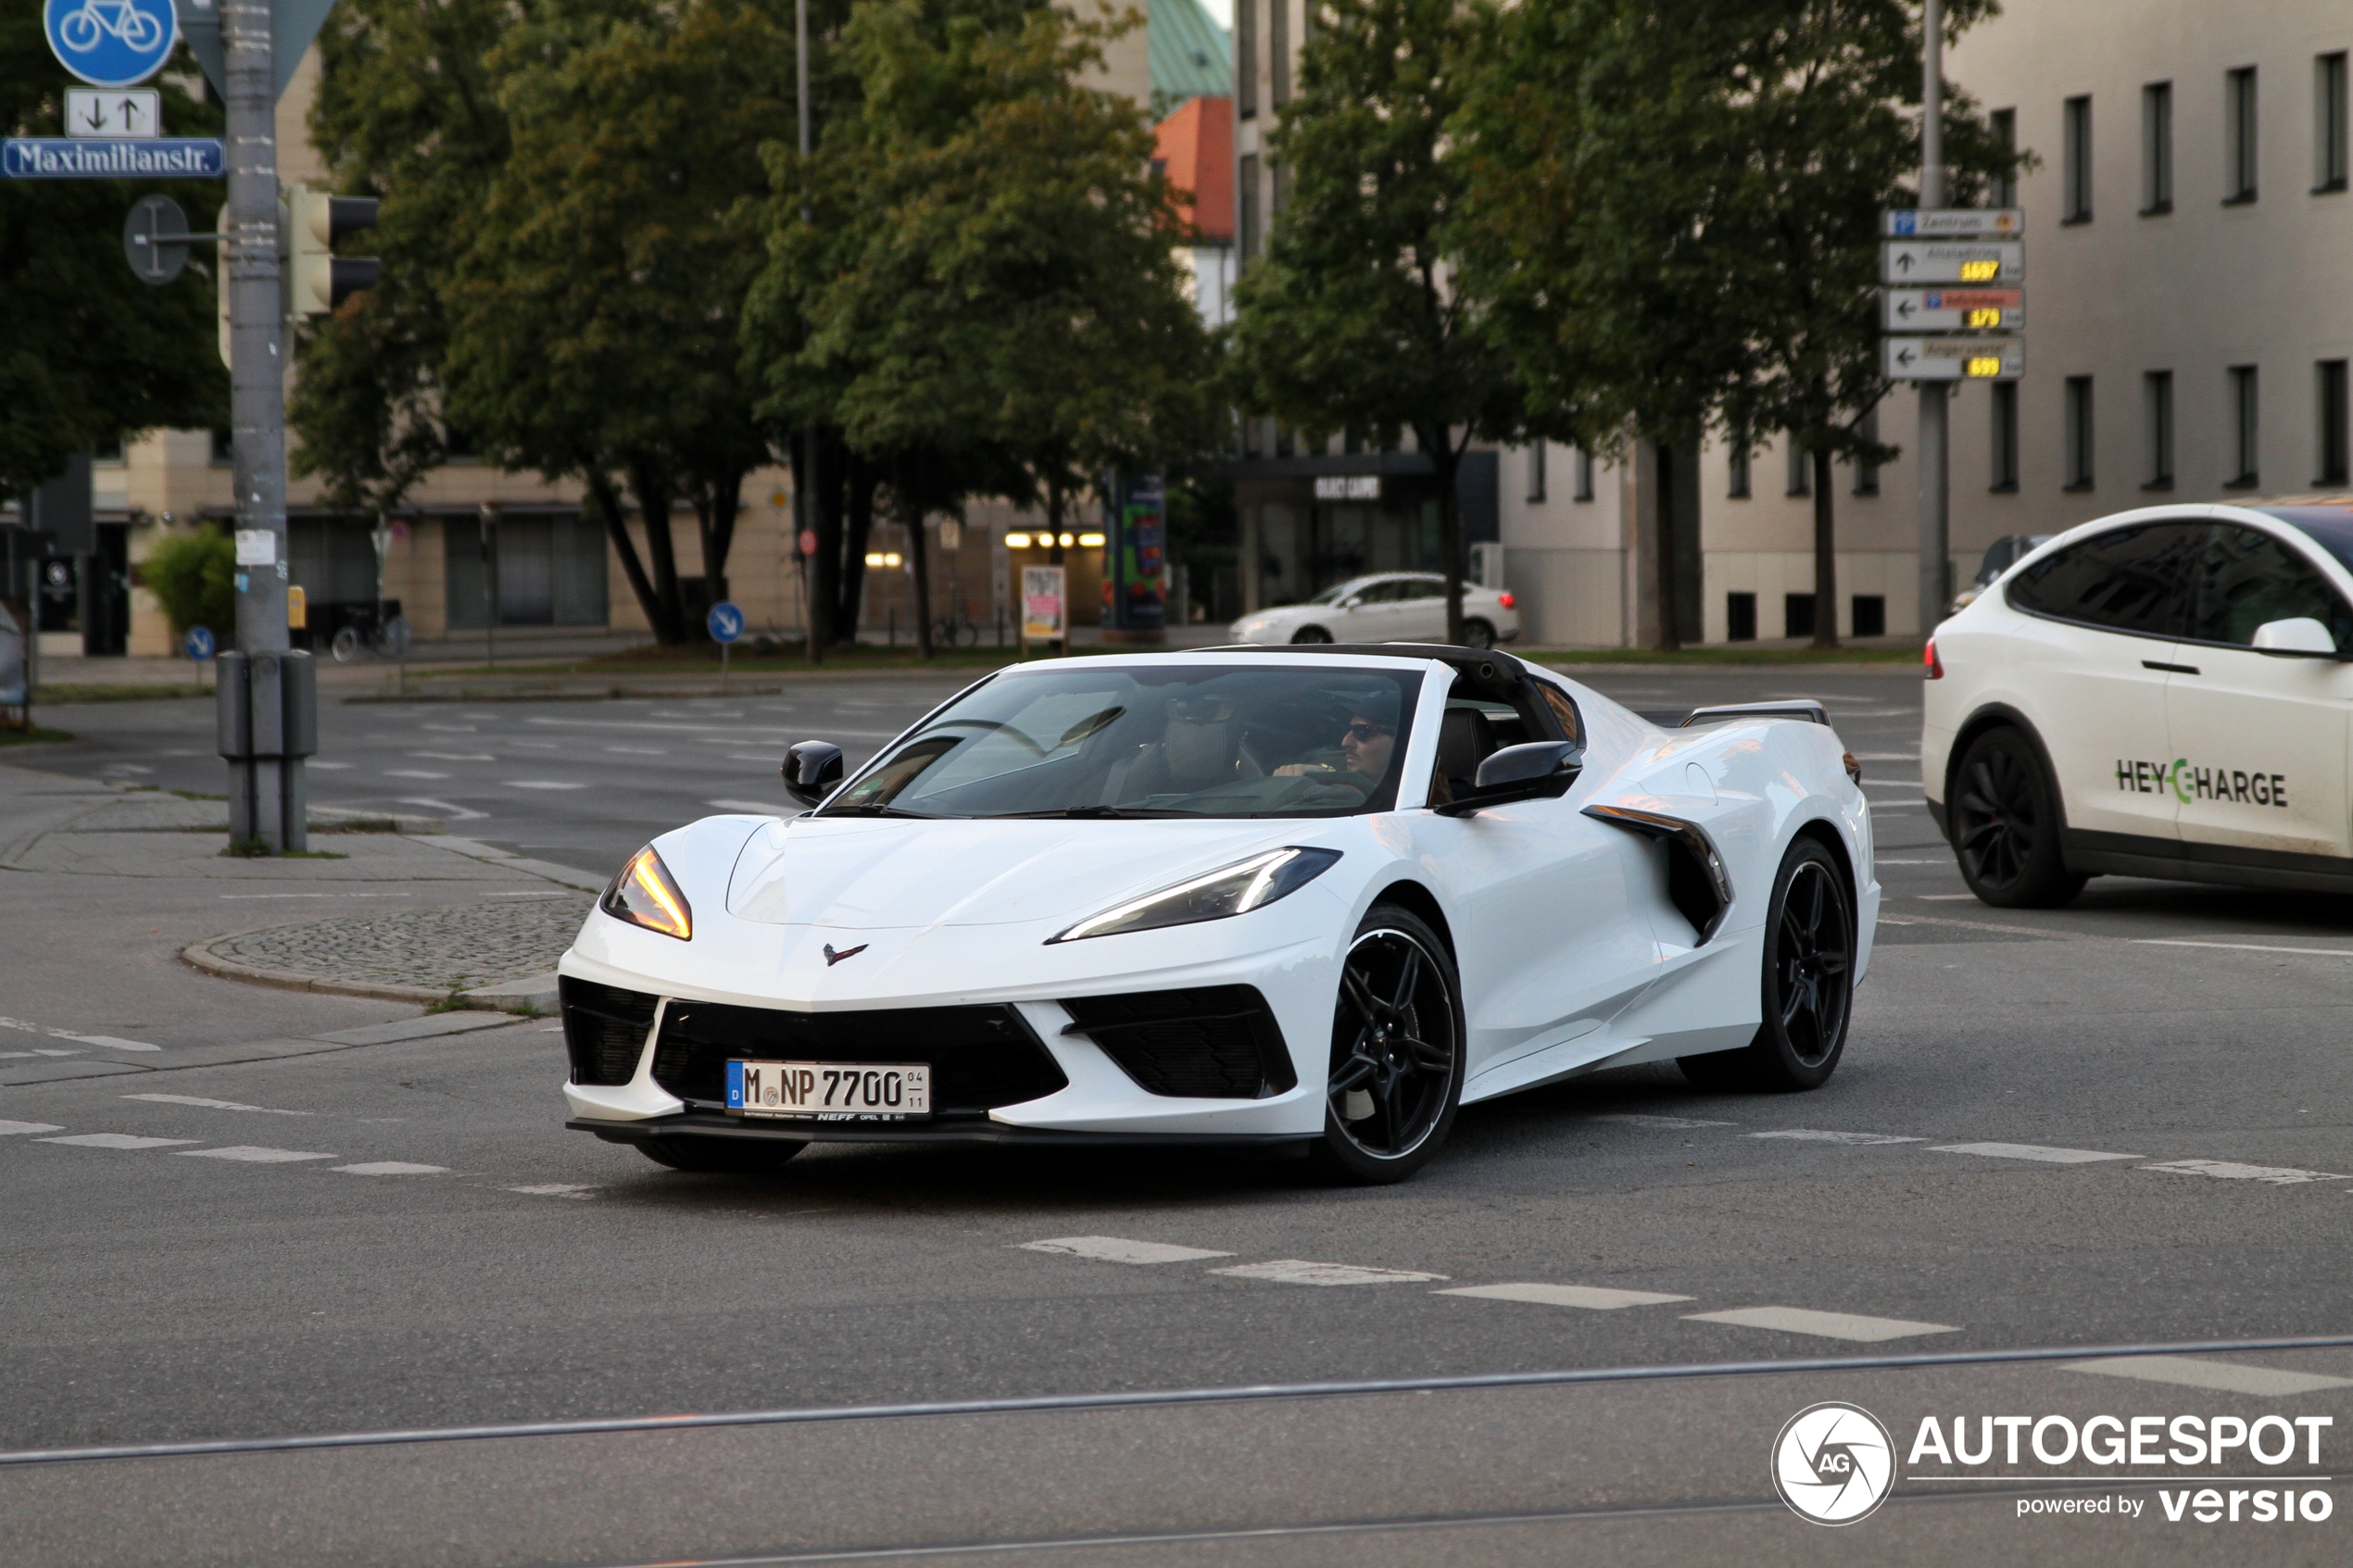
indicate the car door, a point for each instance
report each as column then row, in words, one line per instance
column 1421, row 609
column 2260, row 737
column 2091, row 657
column 1379, row 616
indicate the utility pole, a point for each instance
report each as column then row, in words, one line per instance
column 1936, row 590
column 804, row 488
column 268, row 704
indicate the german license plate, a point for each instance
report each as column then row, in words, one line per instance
column 830, row 1091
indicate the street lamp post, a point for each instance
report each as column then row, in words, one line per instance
column 1935, row 589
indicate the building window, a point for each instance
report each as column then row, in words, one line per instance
column 457, row 444
column 1869, row 616
column 1536, row 469
column 2004, row 421
column 1278, row 52
column 1867, row 470
column 2156, row 148
column 2079, row 432
column 1246, row 213
column 2328, row 123
column 1737, row 461
column 2238, row 137
column 1801, row 470
column 1798, row 615
column 224, row 447
column 2245, row 431
column 2075, row 193
column 109, row 451
column 2156, row 413
column 2005, row 189
column 1740, row 618
column 2332, row 432
column 1246, row 59
column 1584, row 474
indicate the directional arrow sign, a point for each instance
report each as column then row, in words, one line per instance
column 1952, row 261
column 1952, row 358
column 1952, row 310
column 127, row 113
column 1952, row 222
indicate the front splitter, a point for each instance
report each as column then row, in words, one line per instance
column 706, row 1124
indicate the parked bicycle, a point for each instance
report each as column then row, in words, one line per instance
column 365, row 634
column 955, row 630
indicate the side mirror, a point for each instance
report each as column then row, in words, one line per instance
column 1537, row 770
column 812, row 768
column 1355, row 601
column 2299, row 634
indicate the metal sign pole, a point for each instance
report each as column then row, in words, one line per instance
column 1935, row 590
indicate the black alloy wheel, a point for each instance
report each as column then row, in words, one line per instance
column 2005, row 820
column 1807, row 990
column 1478, row 635
column 1311, row 635
column 1397, row 1051
column 721, row 1157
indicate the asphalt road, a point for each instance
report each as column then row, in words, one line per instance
column 2119, row 1123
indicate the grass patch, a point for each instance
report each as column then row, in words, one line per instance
column 258, row 848
column 104, row 692
column 454, row 1002
column 198, row 795
column 16, row 735
column 1721, row 655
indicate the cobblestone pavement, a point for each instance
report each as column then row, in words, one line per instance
column 459, row 945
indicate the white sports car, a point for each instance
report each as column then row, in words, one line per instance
column 1396, row 606
column 1313, row 897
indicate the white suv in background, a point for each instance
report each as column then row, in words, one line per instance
column 2164, row 693
column 1396, row 606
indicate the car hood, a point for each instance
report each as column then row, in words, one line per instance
column 889, row 873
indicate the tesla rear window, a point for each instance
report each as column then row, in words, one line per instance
column 2131, row 580
column 1153, row 741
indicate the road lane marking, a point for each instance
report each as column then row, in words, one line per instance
column 456, row 813
column 1117, row 1250
column 2030, row 1151
column 1815, row 1135
column 455, row 756
column 629, row 750
column 254, row 1155
column 2230, row 1171
column 118, row 1140
column 558, row 1189
column 336, row 767
column 542, row 784
column 12, row 1129
column 412, row 773
column 392, row 1168
column 110, row 1041
column 1823, row 1326
column 1943, row 898
column 2227, row 1377
column 216, row 1104
column 1630, row 1118
column 252, row 896
column 1298, row 1271
column 2243, row 946
column 1592, row 1297
column 448, row 729
column 762, row 808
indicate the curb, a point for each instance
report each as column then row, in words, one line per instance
column 507, row 995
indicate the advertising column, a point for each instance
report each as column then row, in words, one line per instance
column 1135, row 563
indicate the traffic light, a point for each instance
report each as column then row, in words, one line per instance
column 320, row 280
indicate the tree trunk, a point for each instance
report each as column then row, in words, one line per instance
column 1825, row 554
column 605, row 500
column 859, row 531
column 651, row 487
column 718, row 499
column 1670, row 619
column 1446, row 458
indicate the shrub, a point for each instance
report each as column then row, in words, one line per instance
column 191, row 575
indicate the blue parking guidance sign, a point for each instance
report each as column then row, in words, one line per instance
column 112, row 43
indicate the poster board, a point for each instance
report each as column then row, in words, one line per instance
column 1044, row 605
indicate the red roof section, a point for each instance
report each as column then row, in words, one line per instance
column 1196, row 149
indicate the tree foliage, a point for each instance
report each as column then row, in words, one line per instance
column 190, row 575
column 88, row 353
column 1355, row 317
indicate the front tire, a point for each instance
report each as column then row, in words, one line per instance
column 1807, row 985
column 2004, row 818
column 721, row 1157
column 1396, row 1079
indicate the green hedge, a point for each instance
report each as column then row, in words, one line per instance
column 190, row 575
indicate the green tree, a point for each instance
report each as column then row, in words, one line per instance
column 1674, row 202
column 89, row 354
column 1354, row 318
column 190, row 575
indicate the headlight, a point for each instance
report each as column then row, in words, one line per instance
column 1237, row 890
column 645, row 894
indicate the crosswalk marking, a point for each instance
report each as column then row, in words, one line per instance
column 1628, row 1119
column 1592, row 1297
column 391, row 1168
column 1299, row 1271
column 115, row 1140
column 214, row 1104
column 2030, row 1151
column 557, row 1189
column 253, row 1154
column 1117, row 1250
column 1823, row 1325
column 2191, row 1371
column 1815, row 1135
column 2230, row 1171
column 9, row 1129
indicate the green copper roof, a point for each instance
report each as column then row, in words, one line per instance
column 1192, row 56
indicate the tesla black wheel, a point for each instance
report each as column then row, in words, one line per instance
column 2005, row 821
column 725, row 1157
column 1311, row 635
column 1397, row 1052
column 1478, row 635
column 1808, row 984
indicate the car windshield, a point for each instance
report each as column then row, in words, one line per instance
column 1152, row 740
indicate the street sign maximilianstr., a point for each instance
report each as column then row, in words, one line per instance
column 53, row 158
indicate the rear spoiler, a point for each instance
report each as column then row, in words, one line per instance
column 1798, row 707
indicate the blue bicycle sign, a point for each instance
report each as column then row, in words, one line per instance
column 112, row 43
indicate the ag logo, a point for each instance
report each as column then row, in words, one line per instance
column 1833, row 1464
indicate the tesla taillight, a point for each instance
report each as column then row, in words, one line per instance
column 1505, row 600
column 1932, row 666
